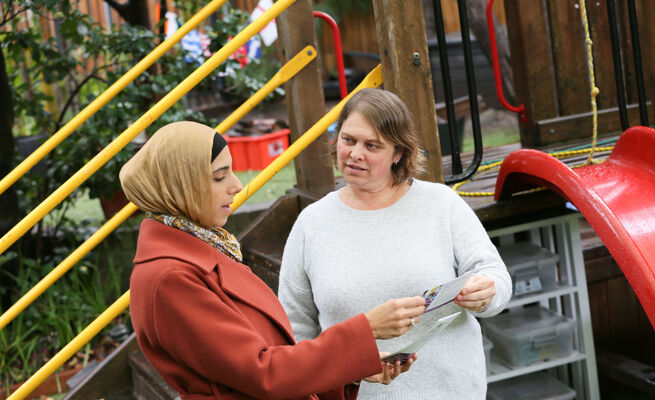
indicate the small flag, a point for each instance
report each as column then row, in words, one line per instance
column 269, row 32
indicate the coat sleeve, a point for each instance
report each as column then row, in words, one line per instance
column 474, row 252
column 294, row 288
column 200, row 330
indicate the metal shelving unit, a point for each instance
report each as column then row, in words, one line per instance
column 560, row 235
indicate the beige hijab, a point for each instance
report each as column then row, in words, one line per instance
column 171, row 173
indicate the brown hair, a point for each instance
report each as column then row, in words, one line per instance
column 392, row 120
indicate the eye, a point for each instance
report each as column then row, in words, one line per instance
column 219, row 179
column 347, row 139
column 372, row 146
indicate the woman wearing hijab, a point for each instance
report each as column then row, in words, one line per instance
column 393, row 235
column 208, row 325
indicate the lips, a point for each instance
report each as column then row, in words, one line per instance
column 355, row 168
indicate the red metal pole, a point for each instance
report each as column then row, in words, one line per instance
column 496, row 64
column 338, row 52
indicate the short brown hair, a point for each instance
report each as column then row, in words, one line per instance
column 392, row 120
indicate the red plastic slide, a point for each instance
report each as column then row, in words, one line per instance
column 617, row 197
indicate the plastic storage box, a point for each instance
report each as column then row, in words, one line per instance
column 532, row 268
column 537, row 386
column 488, row 345
column 530, row 334
column 256, row 152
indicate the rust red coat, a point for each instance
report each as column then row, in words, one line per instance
column 214, row 330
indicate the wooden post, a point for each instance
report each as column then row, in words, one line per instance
column 403, row 47
column 305, row 99
column 533, row 71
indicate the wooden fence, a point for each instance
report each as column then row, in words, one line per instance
column 550, row 66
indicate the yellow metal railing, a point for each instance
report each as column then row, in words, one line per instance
column 107, row 95
column 288, row 70
column 373, row 79
column 142, row 123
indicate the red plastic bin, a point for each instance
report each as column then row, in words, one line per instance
column 256, row 152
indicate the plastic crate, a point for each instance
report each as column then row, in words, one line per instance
column 533, row 269
column 256, row 152
column 537, row 386
column 530, row 334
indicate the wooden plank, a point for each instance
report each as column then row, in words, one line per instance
column 400, row 27
column 646, row 12
column 112, row 376
column 304, row 97
column 569, row 57
column 623, row 306
column 598, row 305
column 580, row 126
column 627, row 371
column 602, row 51
column 626, row 52
column 531, row 64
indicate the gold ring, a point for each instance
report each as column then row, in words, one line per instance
column 484, row 303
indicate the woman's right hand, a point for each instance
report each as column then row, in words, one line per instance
column 395, row 317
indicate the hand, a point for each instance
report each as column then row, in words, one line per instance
column 391, row 371
column 395, row 317
column 477, row 294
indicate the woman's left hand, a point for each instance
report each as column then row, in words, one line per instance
column 477, row 293
column 391, row 370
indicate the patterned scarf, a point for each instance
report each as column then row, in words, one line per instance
column 219, row 238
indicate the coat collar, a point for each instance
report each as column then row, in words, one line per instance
column 157, row 241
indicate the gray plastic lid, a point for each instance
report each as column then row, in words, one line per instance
column 525, row 254
column 527, row 321
column 530, row 387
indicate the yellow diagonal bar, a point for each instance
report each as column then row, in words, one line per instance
column 290, row 69
column 286, row 72
column 107, row 95
column 142, row 123
column 72, row 347
column 63, row 267
column 373, row 79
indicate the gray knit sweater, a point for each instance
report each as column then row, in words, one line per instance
column 339, row 262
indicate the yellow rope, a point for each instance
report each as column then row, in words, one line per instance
column 565, row 153
column 592, row 80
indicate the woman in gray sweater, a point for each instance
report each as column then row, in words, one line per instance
column 386, row 235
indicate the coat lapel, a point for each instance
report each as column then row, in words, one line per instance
column 157, row 240
column 240, row 282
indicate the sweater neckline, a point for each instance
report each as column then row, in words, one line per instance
column 398, row 203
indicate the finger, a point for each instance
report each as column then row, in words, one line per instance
column 475, row 283
column 397, row 370
column 471, row 305
column 414, row 311
column 477, row 295
column 410, row 302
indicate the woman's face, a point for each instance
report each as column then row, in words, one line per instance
column 225, row 185
column 364, row 158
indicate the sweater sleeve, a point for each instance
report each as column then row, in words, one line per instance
column 474, row 252
column 200, row 330
column 294, row 289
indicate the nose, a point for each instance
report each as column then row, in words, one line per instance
column 357, row 152
column 236, row 184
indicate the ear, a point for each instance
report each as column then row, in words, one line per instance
column 397, row 156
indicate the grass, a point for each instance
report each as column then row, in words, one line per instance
column 282, row 181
